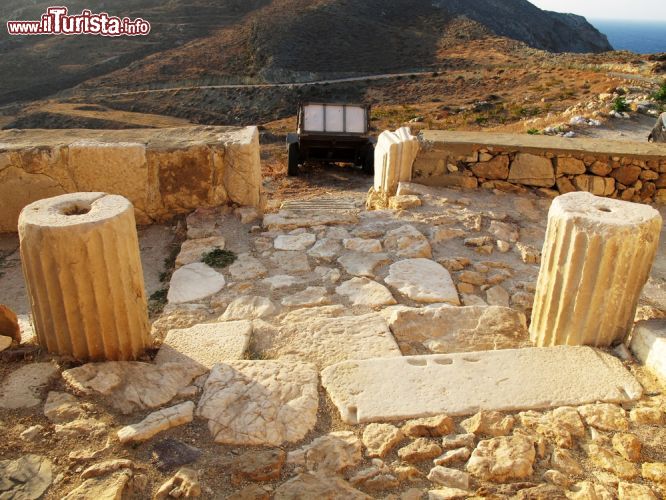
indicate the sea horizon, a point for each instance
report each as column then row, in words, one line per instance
column 642, row 37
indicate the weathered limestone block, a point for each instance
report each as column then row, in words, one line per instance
column 496, row 169
column 599, row 186
column 596, row 259
column 163, row 172
column 82, row 267
column 112, row 167
column 532, row 170
column 395, row 153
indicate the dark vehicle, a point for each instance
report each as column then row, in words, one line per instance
column 658, row 133
column 334, row 133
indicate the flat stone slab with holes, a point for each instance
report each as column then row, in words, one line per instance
column 389, row 389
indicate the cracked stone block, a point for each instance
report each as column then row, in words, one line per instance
column 260, row 403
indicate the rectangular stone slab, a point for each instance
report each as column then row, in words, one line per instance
column 389, row 389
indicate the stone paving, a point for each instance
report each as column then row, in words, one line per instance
column 256, row 392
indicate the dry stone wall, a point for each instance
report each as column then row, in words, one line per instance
column 509, row 162
column 163, row 172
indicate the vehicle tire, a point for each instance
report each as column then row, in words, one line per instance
column 369, row 161
column 294, row 157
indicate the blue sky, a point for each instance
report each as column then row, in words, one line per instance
column 654, row 10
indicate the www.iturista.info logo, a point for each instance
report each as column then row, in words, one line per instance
column 57, row 21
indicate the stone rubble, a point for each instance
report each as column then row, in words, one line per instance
column 157, row 422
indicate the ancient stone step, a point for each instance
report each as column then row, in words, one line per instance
column 389, row 389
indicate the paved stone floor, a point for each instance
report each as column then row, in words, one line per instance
column 315, row 292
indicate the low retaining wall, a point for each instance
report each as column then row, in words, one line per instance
column 630, row 171
column 627, row 170
column 163, row 172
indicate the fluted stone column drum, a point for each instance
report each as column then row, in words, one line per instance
column 82, row 268
column 596, row 259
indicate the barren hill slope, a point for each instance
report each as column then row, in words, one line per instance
column 269, row 40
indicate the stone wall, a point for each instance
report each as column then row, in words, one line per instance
column 626, row 170
column 163, row 172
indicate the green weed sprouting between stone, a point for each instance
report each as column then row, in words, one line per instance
column 157, row 301
column 219, row 258
column 620, row 105
column 660, row 95
column 534, row 131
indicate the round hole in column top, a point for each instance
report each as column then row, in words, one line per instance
column 75, row 210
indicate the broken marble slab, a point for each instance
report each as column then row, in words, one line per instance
column 256, row 403
column 157, row 422
column 22, row 388
column 363, row 264
column 130, row 386
column 366, row 292
column 391, row 389
column 194, row 282
column 327, row 335
column 206, row 344
column 248, row 307
column 447, row 329
column 423, row 280
column 295, row 242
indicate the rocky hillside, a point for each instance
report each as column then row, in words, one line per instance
column 521, row 20
column 262, row 40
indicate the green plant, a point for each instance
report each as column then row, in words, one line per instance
column 157, row 301
column 534, row 131
column 620, row 105
column 660, row 95
column 219, row 258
